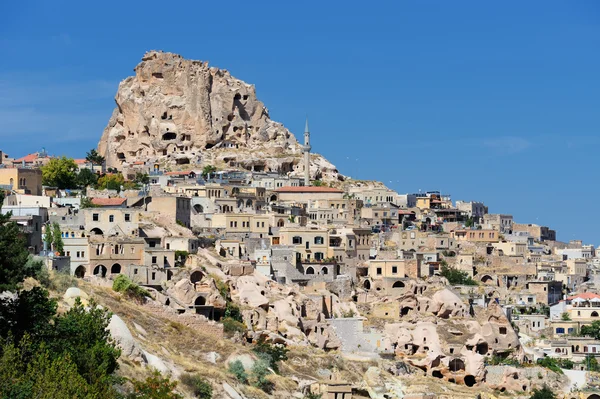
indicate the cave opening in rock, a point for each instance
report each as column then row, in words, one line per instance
column 437, row 374
column 169, row 136
column 469, row 380
column 482, row 348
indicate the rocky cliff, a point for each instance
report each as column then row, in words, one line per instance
column 179, row 112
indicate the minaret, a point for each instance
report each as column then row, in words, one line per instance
column 306, row 150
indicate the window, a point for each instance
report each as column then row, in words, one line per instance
column 394, row 269
column 262, row 224
column 77, row 254
column 560, row 330
column 134, row 271
column 297, row 240
column 68, row 253
column 95, row 217
column 111, row 218
column 153, row 275
column 83, row 254
column 154, row 259
column 168, row 246
column 127, row 217
column 379, row 271
column 318, row 240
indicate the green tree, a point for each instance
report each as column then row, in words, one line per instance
column 82, row 333
column 565, row 316
column 592, row 330
column 86, row 203
column 30, row 312
column 318, row 183
column 154, row 387
column 13, row 255
column 60, row 172
column 114, row 181
column 86, row 178
column 455, row 276
column 141, row 178
column 208, row 170
column 470, row 222
column 2, row 196
column 57, row 241
column 544, row 393
column 46, row 375
column 273, row 353
column 94, row 158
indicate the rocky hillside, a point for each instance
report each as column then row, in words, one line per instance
column 180, row 112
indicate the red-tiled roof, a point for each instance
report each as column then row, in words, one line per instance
column 405, row 212
column 585, row 295
column 305, row 189
column 81, row 161
column 108, row 201
column 27, row 158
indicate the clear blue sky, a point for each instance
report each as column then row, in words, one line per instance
column 492, row 102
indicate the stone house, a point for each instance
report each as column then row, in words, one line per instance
column 176, row 209
column 21, row 180
column 311, row 243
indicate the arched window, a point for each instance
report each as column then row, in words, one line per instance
column 280, row 223
column 115, row 269
column 398, row 284
column 594, row 314
column 310, row 270
column 324, row 270
column 12, row 183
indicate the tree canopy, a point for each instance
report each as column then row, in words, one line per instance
column 13, row 255
column 94, row 157
column 86, row 178
column 60, row 172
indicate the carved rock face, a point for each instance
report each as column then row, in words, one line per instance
column 178, row 112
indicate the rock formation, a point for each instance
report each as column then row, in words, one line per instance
column 178, row 112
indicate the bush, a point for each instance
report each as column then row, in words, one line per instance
column 183, row 255
column 237, row 369
column 455, row 276
column 198, row 385
column 232, row 311
column 273, row 353
column 551, row 364
column 260, row 371
column 544, row 393
column 311, row 395
column 130, row 289
column 232, row 326
column 154, row 387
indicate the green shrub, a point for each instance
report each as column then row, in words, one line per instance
column 232, row 326
column 311, row 395
column 551, row 364
column 455, row 276
column 544, row 393
column 181, row 255
column 237, row 369
column 233, row 311
column 130, row 289
column 273, row 353
column 260, row 371
column 198, row 385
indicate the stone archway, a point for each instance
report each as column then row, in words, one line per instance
column 367, row 285
column 100, row 270
column 398, row 284
column 115, row 269
column 80, row 272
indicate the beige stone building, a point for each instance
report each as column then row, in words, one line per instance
column 481, row 235
column 177, row 209
column 508, row 248
column 21, row 180
column 311, row 243
column 248, row 223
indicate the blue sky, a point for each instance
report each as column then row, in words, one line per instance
column 492, row 102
